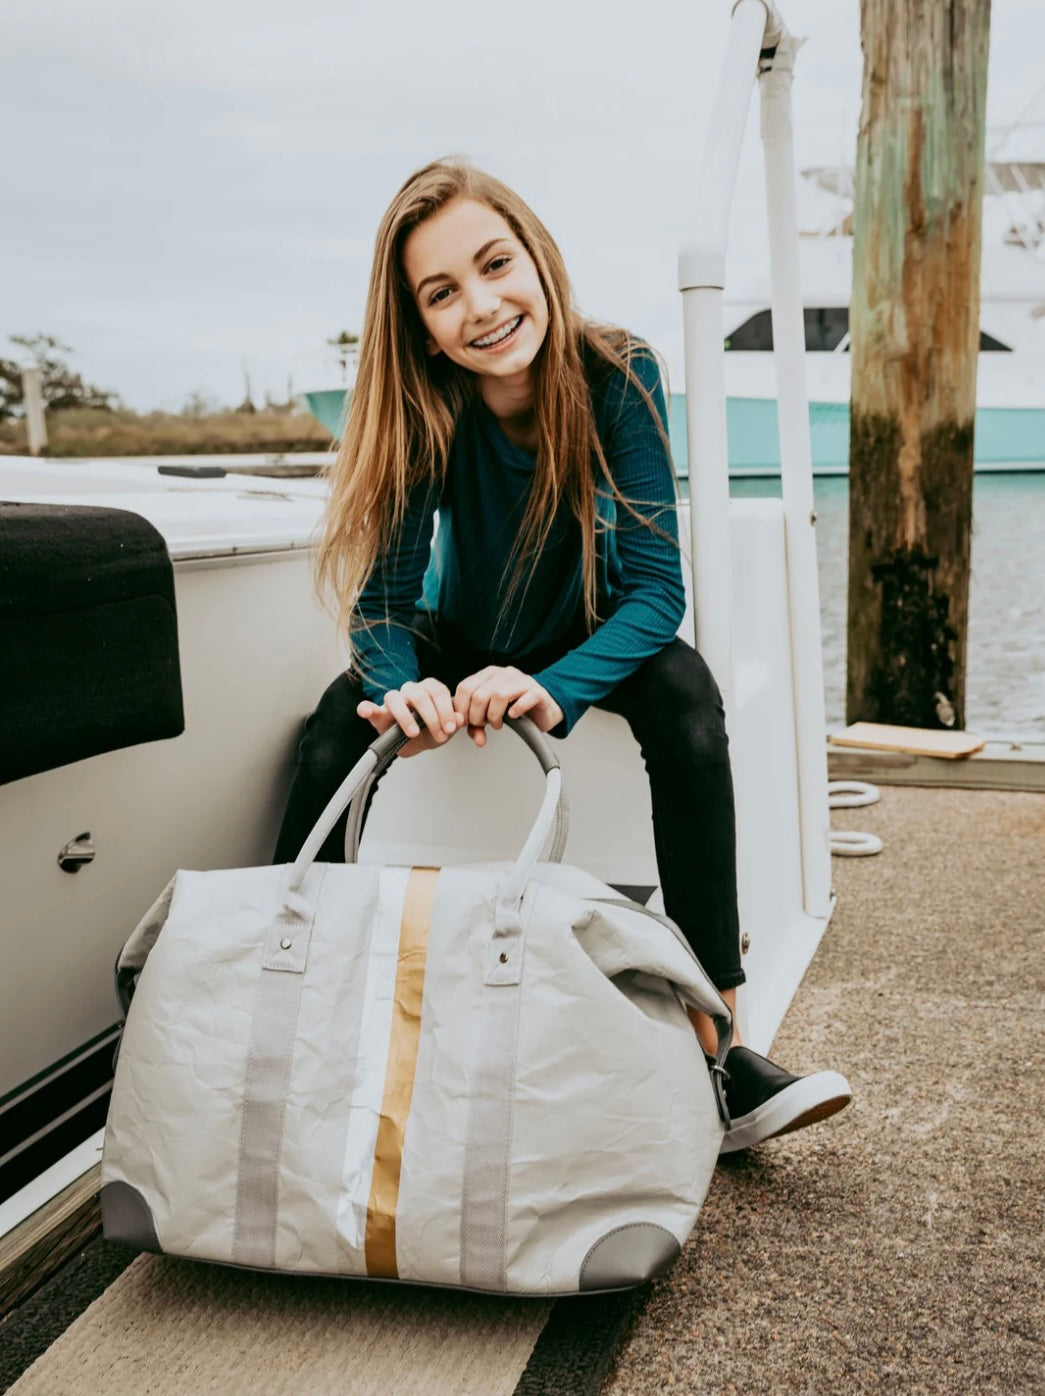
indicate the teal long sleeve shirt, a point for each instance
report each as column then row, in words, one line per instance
column 462, row 575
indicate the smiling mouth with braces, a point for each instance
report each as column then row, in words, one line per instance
column 488, row 341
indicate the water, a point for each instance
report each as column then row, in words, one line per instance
column 1005, row 693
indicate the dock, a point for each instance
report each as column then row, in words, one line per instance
column 896, row 1247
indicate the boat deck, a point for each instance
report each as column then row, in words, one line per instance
column 892, row 1248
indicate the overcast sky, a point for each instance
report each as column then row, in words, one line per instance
column 195, row 186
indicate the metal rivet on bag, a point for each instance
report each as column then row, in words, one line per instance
column 285, row 943
column 504, row 957
column 745, row 943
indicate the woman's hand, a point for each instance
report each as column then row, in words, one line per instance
column 487, row 696
column 427, row 699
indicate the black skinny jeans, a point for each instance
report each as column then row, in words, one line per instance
column 674, row 709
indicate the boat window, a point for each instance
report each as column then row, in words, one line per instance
column 825, row 326
column 827, row 330
column 756, row 333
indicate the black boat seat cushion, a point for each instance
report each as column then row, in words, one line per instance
column 88, row 636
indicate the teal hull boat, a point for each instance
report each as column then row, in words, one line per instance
column 1007, row 438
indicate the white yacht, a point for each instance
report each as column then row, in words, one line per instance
column 1010, row 396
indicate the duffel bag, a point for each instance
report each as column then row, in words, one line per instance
column 479, row 1076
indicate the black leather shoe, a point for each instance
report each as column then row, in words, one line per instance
column 764, row 1100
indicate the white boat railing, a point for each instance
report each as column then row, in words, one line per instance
column 702, row 277
column 759, row 44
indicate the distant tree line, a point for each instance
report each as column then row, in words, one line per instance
column 62, row 387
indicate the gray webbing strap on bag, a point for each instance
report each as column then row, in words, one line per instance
column 487, row 1150
column 273, row 1032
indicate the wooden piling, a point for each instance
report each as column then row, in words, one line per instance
column 914, row 325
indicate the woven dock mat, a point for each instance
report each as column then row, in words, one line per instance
column 167, row 1327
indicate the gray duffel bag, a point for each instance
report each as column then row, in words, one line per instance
column 479, row 1076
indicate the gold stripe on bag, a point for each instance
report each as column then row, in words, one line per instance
column 380, row 1244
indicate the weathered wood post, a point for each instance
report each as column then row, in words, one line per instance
column 915, row 336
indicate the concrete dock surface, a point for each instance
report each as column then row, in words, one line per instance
column 897, row 1247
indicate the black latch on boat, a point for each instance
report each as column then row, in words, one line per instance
column 76, row 853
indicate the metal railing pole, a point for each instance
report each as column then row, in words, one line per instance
column 796, row 478
column 701, row 279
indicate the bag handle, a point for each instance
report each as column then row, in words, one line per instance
column 530, row 734
column 552, row 816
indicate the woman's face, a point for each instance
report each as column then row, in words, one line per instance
column 478, row 292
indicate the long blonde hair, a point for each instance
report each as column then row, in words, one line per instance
column 406, row 403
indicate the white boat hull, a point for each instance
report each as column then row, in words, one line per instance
column 254, row 655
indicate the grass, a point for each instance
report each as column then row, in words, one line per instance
column 87, row 432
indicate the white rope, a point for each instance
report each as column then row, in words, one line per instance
column 852, row 794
